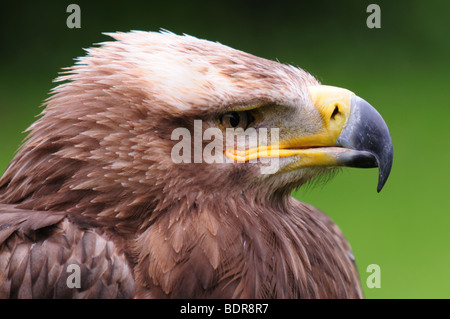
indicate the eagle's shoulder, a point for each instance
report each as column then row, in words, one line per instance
column 48, row 255
column 329, row 252
column 314, row 217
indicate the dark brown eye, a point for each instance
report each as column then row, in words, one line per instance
column 236, row 119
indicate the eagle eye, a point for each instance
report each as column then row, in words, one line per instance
column 236, row 119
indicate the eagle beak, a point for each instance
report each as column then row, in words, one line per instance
column 352, row 133
column 364, row 136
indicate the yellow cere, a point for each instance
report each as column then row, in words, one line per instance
column 333, row 104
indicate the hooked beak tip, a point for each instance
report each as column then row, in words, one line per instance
column 367, row 134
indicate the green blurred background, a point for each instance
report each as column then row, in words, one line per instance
column 402, row 69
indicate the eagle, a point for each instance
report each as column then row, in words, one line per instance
column 96, row 203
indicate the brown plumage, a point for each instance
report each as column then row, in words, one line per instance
column 94, row 184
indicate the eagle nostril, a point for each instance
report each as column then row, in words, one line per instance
column 335, row 112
